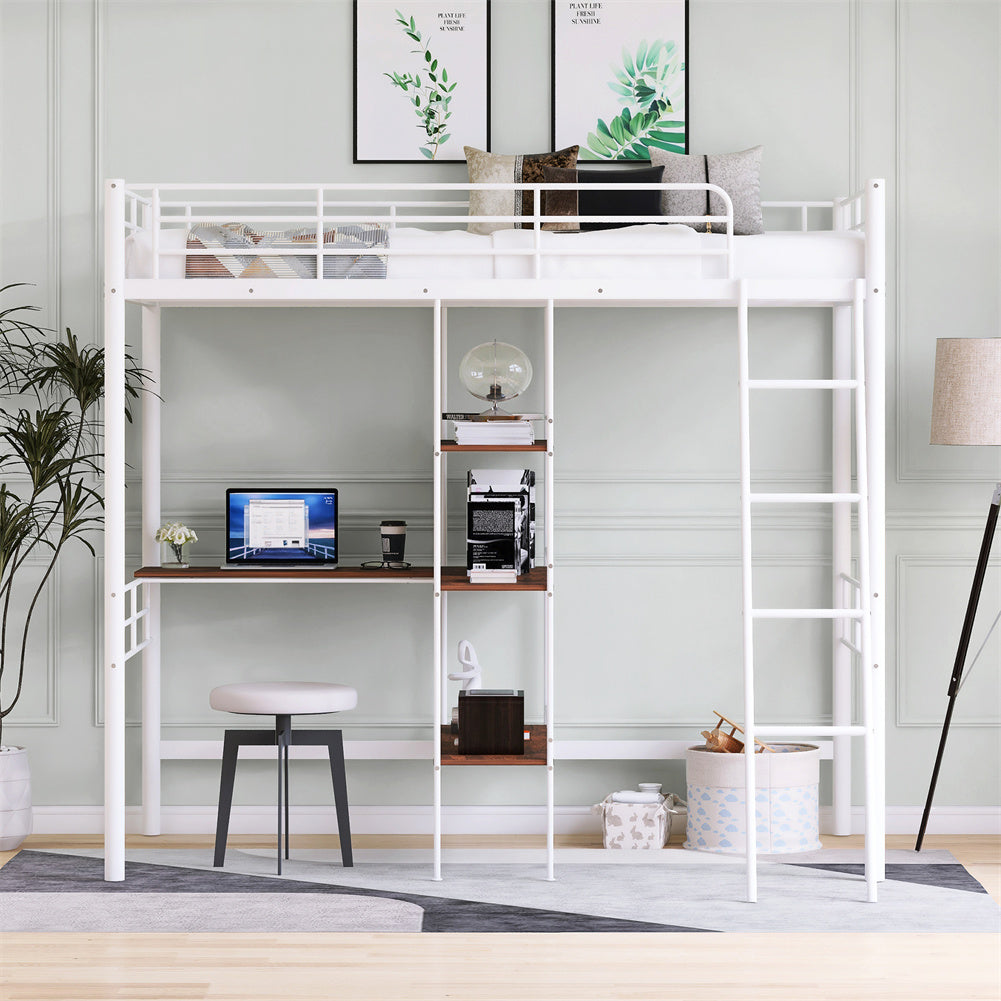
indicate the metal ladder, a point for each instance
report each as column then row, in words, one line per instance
column 861, row 638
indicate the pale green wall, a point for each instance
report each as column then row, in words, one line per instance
column 647, row 528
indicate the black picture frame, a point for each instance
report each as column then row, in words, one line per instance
column 366, row 146
column 567, row 128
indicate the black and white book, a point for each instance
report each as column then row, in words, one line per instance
column 503, row 486
column 493, row 539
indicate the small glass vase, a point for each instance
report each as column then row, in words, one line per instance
column 174, row 555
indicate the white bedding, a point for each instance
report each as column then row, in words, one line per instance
column 631, row 252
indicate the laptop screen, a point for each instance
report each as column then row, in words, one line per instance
column 281, row 526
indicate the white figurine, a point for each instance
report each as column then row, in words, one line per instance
column 470, row 675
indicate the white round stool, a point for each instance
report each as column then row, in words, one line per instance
column 283, row 700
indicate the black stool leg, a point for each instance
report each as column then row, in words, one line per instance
column 283, row 725
column 287, row 828
column 335, row 750
column 334, row 743
column 232, row 742
column 230, row 749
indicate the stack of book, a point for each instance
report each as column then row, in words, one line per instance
column 504, row 432
column 500, row 524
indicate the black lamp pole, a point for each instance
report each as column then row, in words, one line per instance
column 964, row 643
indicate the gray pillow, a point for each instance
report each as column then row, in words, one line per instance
column 738, row 174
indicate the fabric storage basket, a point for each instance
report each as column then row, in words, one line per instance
column 787, row 800
column 637, row 825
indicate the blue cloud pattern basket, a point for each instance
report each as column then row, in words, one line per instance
column 787, row 800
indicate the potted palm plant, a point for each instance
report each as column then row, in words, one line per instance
column 50, row 393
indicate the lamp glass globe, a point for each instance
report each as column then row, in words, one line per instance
column 495, row 372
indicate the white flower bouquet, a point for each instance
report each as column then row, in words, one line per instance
column 175, row 535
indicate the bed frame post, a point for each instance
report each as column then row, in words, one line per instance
column 549, row 659
column 747, row 602
column 844, row 594
column 875, row 366
column 151, row 402
column 438, row 549
column 114, row 531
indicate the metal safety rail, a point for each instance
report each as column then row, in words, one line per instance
column 154, row 208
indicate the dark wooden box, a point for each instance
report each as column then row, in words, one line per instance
column 491, row 724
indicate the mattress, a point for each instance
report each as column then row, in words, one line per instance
column 638, row 252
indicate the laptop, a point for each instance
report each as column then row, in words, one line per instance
column 281, row 529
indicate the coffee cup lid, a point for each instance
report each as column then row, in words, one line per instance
column 394, row 524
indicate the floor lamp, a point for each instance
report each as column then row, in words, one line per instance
column 966, row 410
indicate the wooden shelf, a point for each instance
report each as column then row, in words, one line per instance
column 450, row 446
column 338, row 575
column 535, row 750
column 455, row 579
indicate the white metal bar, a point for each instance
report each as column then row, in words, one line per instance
column 802, row 383
column 798, row 205
column 155, row 225
column 857, row 650
column 806, row 730
column 437, row 548
column 371, row 218
column 151, row 515
column 875, row 366
column 551, row 251
column 849, row 579
column 354, row 750
column 638, row 750
column 319, row 232
column 807, row 613
column 446, row 712
column 141, row 614
column 114, row 532
column 747, row 618
column 311, row 186
column 130, row 653
column 841, row 550
column 549, row 656
column 873, row 838
column 537, row 233
column 804, row 498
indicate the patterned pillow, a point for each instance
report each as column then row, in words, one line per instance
column 738, row 174
column 508, row 168
column 560, row 202
column 601, row 201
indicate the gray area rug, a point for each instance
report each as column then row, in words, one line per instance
column 178, row 890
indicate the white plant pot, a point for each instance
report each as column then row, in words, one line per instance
column 15, row 797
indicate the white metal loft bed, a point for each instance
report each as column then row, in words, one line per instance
column 415, row 239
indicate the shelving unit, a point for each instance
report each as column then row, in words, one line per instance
column 540, row 579
column 132, row 605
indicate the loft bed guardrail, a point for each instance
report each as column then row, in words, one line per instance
column 161, row 214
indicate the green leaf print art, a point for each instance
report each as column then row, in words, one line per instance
column 651, row 89
column 429, row 90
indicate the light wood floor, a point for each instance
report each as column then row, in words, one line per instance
column 503, row 967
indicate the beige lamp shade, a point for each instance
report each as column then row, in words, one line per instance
column 966, row 404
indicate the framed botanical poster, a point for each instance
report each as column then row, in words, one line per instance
column 422, row 79
column 620, row 84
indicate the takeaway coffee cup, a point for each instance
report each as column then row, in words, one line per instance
column 394, row 540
